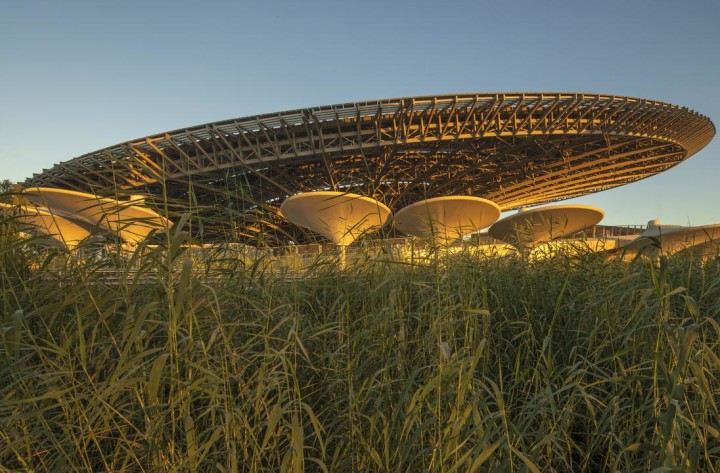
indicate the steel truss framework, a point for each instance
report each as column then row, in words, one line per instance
column 516, row 149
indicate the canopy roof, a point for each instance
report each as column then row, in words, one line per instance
column 131, row 222
column 515, row 149
column 531, row 227
column 445, row 219
column 339, row 217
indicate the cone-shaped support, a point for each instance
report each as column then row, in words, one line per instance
column 529, row 228
column 44, row 223
column 446, row 219
column 338, row 216
column 131, row 222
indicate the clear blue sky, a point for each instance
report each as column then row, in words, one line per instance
column 79, row 76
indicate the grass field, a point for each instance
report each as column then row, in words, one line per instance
column 575, row 363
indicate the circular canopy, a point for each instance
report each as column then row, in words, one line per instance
column 132, row 223
column 445, row 219
column 338, row 216
column 531, row 227
column 67, row 232
column 673, row 238
column 516, row 149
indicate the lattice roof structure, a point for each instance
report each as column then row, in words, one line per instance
column 516, row 149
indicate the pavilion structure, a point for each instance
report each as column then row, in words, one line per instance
column 514, row 149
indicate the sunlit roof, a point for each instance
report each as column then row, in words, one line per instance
column 517, row 149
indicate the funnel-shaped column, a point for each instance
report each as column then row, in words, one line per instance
column 44, row 223
column 446, row 219
column 339, row 217
column 131, row 222
column 529, row 228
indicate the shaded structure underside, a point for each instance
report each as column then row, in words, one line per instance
column 514, row 149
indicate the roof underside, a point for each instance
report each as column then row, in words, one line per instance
column 514, row 149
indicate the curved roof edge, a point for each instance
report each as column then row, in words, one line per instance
column 371, row 108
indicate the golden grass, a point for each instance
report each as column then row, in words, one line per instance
column 574, row 363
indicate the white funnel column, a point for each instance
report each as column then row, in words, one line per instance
column 338, row 216
column 529, row 228
column 42, row 222
column 131, row 222
column 446, row 219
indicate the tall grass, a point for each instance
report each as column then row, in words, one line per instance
column 574, row 363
